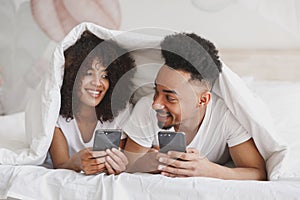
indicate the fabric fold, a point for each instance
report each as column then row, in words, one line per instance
column 43, row 110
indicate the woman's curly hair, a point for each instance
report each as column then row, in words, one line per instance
column 79, row 57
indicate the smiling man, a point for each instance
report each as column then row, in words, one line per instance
column 183, row 102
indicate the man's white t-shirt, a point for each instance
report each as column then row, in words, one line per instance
column 218, row 131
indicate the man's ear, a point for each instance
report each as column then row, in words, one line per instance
column 204, row 98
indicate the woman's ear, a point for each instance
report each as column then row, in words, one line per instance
column 204, row 98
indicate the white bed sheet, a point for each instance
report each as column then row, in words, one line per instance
column 35, row 182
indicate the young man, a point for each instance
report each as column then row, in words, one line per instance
column 183, row 102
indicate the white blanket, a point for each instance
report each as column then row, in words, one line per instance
column 34, row 182
column 43, row 109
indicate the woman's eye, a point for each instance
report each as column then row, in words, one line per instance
column 104, row 76
column 89, row 73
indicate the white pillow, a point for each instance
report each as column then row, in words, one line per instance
column 12, row 131
column 282, row 99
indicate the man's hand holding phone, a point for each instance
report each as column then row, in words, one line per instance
column 190, row 164
column 175, row 160
column 170, row 141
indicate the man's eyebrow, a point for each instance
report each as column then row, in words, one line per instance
column 170, row 91
column 167, row 91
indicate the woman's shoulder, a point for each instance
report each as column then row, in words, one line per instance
column 63, row 121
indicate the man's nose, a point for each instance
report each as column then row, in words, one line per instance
column 157, row 106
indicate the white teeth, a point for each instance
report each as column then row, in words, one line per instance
column 162, row 115
column 93, row 92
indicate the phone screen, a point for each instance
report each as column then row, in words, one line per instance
column 107, row 139
column 171, row 141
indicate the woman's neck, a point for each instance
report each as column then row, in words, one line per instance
column 86, row 121
column 86, row 114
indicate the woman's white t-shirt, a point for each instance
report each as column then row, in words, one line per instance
column 73, row 136
column 218, row 131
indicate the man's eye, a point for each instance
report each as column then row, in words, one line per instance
column 170, row 99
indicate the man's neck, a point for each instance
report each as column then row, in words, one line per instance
column 190, row 128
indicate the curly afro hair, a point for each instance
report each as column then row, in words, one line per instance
column 77, row 59
column 192, row 54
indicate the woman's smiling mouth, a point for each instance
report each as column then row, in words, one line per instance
column 93, row 93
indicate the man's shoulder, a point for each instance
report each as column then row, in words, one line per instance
column 221, row 112
column 218, row 104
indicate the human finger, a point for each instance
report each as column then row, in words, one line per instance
column 172, row 175
column 161, row 155
column 196, row 153
column 182, row 155
column 117, row 153
column 97, row 154
column 116, row 165
column 178, row 172
column 109, row 169
column 93, row 169
column 173, row 162
column 114, row 169
column 86, row 154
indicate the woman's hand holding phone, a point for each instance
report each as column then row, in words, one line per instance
column 92, row 162
column 111, row 161
column 105, row 157
column 116, row 161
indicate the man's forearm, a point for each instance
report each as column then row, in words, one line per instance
column 238, row 173
column 142, row 162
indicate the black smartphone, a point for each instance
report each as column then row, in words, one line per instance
column 107, row 139
column 171, row 141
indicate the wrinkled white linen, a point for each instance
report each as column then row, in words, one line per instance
column 42, row 183
column 43, row 110
column 252, row 113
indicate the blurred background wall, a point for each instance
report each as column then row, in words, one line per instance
column 243, row 30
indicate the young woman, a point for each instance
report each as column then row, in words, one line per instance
column 92, row 69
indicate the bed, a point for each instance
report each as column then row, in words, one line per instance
column 27, row 178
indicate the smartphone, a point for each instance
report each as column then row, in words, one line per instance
column 171, row 141
column 107, row 139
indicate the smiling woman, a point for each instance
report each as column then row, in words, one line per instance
column 92, row 69
column 94, row 84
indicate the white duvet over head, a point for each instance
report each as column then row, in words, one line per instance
column 43, row 110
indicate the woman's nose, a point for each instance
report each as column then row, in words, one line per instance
column 96, row 81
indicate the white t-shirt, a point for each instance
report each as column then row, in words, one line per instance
column 218, row 131
column 73, row 136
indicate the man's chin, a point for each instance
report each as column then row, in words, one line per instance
column 163, row 126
